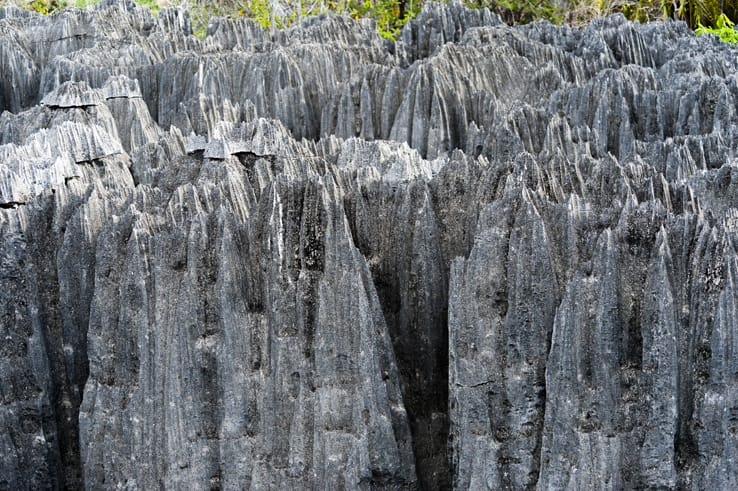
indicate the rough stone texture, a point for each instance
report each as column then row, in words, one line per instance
column 481, row 257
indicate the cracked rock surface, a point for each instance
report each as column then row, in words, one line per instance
column 481, row 257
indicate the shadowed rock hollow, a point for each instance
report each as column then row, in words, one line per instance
column 482, row 257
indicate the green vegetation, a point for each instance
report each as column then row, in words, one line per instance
column 705, row 16
column 149, row 4
column 524, row 11
column 710, row 13
column 390, row 15
column 724, row 30
column 47, row 7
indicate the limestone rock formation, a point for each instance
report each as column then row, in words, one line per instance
column 481, row 257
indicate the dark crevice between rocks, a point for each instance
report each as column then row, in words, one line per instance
column 65, row 400
column 426, row 402
column 416, row 353
column 11, row 205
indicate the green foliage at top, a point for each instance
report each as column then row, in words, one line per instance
column 258, row 11
column 706, row 16
column 149, row 4
column 390, row 15
column 724, row 30
column 525, row 11
column 706, row 12
column 693, row 12
column 47, row 7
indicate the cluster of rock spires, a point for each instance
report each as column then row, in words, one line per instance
column 481, row 257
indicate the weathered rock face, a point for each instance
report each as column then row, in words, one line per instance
column 481, row 257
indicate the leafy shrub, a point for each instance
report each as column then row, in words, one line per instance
column 706, row 16
column 724, row 29
column 524, row 11
column 46, row 7
column 390, row 15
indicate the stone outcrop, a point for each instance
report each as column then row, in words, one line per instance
column 480, row 257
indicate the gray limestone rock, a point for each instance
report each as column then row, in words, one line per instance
column 481, row 257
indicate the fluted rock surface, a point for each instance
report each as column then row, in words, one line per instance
column 481, row 257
